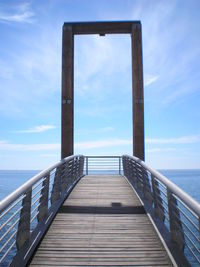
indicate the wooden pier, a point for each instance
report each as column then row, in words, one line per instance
column 102, row 223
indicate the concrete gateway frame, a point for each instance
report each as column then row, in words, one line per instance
column 70, row 29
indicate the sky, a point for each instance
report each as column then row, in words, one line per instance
column 30, row 81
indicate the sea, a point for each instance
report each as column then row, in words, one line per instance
column 188, row 180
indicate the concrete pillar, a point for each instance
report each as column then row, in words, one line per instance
column 137, row 92
column 67, row 124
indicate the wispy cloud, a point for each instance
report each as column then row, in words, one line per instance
column 20, row 13
column 6, row 146
column 49, row 155
column 38, row 129
column 102, row 143
column 95, row 131
column 149, row 79
column 101, row 57
column 178, row 140
column 158, row 150
column 162, row 53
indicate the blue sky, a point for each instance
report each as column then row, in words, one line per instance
column 30, row 81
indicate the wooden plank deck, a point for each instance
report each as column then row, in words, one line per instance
column 102, row 223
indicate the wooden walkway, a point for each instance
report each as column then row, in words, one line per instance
column 102, row 223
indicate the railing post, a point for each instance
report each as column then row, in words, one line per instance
column 23, row 233
column 157, row 199
column 119, row 165
column 44, row 198
column 127, row 161
column 176, row 229
column 56, row 190
column 81, row 166
column 64, row 178
column 78, row 167
column 124, row 165
column 70, row 170
column 86, row 165
column 73, row 169
column 138, row 182
column 146, row 186
column 130, row 169
column 77, row 162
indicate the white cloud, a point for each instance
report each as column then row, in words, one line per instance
column 149, row 79
column 21, row 13
column 162, row 54
column 38, row 129
column 6, row 146
column 102, row 143
column 158, row 150
column 178, row 140
column 95, row 131
column 49, row 155
column 31, row 73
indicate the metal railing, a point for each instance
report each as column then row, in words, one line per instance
column 175, row 209
column 26, row 213
column 103, row 165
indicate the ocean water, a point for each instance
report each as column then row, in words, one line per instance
column 11, row 180
column 188, row 180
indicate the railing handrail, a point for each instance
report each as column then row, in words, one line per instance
column 187, row 199
column 109, row 156
column 22, row 189
column 103, row 164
